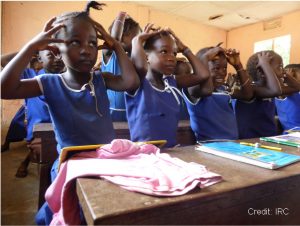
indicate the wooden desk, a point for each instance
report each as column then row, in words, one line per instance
column 44, row 131
column 245, row 189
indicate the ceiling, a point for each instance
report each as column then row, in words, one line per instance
column 235, row 13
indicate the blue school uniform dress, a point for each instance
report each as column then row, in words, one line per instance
column 212, row 117
column 116, row 99
column 153, row 113
column 288, row 111
column 79, row 117
column 36, row 108
column 256, row 118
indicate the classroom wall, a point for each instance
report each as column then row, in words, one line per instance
column 243, row 38
column 22, row 20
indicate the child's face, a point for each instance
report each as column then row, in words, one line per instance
column 218, row 70
column 162, row 56
column 277, row 65
column 183, row 68
column 80, row 49
column 127, row 38
column 50, row 63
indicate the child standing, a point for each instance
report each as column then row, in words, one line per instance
column 210, row 104
column 288, row 106
column 77, row 98
column 256, row 118
column 123, row 29
column 153, row 108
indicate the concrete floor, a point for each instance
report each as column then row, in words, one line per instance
column 19, row 196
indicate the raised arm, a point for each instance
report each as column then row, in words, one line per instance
column 272, row 87
column 12, row 87
column 128, row 80
column 245, row 92
column 5, row 59
column 200, row 71
column 138, row 54
column 116, row 33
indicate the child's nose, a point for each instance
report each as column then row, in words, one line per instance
column 85, row 49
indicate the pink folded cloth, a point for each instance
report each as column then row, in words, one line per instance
column 136, row 168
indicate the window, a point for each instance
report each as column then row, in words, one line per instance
column 280, row 45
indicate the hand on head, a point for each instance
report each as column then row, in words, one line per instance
column 180, row 46
column 45, row 40
column 263, row 58
column 233, row 57
column 148, row 32
column 213, row 53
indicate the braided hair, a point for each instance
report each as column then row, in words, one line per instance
column 81, row 15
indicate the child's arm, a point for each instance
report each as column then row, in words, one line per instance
column 138, row 55
column 245, row 92
column 200, row 71
column 272, row 88
column 12, row 87
column 128, row 80
column 5, row 59
column 116, row 33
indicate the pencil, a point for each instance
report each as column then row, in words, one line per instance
column 262, row 146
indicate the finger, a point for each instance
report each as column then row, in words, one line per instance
column 148, row 27
column 48, row 24
column 55, row 29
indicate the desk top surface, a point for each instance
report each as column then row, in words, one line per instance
column 105, row 199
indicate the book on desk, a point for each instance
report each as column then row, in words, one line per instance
column 291, row 139
column 252, row 155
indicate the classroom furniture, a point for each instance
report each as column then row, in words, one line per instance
column 45, row 132
column 247, row 195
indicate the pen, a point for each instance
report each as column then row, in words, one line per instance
column 262, row 146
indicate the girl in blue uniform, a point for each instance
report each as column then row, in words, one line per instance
column 123, row 29
column 288, row 106
column 153, row 108
column 256, row 118
column 209, row 104
column 77, row 98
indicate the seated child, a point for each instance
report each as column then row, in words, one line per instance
column 210, row 104
column 153, row 108
column 288, row 106
column 123, row 29
column 256, row 118
column 76, row 99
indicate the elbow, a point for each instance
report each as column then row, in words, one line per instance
column 134, row 84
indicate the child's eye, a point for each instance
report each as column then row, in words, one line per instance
column 93, row 44
column 163, row 51
column 74, row 43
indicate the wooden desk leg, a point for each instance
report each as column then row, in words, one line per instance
column 45, row 181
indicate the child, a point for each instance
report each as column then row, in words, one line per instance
column 209, row 104
column 153, row 109
column 76, row 99
column 256, row 118
column 288, row 107
column 123, row 29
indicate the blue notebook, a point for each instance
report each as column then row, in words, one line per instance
column 255, row 156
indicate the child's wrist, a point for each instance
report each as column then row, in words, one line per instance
column 186, row 51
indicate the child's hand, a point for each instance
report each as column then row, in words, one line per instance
column 213, row 53
column 180, row 46
column 148, row 32
column 233, row 57
column 44, row 40
column 263, row 58
column 109, row 42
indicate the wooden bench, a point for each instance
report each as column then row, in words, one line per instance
column 44, row 131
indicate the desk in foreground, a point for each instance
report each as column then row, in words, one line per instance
column 248, row 195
